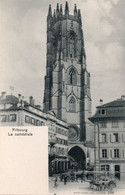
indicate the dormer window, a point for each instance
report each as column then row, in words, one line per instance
column 102, row 112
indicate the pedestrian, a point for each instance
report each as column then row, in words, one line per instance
column 65, row 180
column 55, row 182
column 52, row 170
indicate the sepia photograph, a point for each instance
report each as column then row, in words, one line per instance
column 62, row 67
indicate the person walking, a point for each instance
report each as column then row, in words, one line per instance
column 65, row 180
column 55, row 182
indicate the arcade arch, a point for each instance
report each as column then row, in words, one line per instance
column 79, row 156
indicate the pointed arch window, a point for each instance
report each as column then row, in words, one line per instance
column 72, row 104
column 72, row 44
column 72, row 77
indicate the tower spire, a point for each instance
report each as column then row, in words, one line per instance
column 49, row 12
column 61, row 11
column 75, row 10
column 57, row 10
column 54, row 15
column 79, row 16
column 66, row 9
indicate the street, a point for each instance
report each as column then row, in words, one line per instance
column 79, row 187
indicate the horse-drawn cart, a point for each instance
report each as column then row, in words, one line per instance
column 102, row 180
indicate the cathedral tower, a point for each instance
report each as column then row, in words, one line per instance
column 67, row 81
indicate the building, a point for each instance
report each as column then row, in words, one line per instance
column 67, row 81
column 15, row 111
column 109, row 123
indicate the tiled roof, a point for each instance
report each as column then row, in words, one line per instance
column 114, row 109
column 115, row 103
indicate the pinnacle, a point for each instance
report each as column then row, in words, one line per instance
column 66, row 8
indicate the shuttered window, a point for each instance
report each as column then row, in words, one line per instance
column 104, row 153
column 116, row 153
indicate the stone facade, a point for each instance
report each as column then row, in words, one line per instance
column 109, row 122
column 67, row 81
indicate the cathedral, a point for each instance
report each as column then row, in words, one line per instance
column 67, row 81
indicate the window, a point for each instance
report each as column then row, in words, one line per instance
column 116, row 153
column 114, row 124
column 59, row 131
column 72, row 43
column 71, row 55
column 102, row 124
column 72, row 104
column 57, row 140
column 42, row 124
column 71, row 23
column 87, row 153
column 72, row 77
column 103, row 137
column 32, row 121
column 104, row 167
column 3, row 118
column 12, row 117
column 116, row 138
column 37, row 122
column 103, row 111
column 65, row 142
column 63, row 151
column 104, row 153
column 27, row 119
column 56, row 129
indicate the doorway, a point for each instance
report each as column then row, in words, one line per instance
column 117, row 171
column 78, row 155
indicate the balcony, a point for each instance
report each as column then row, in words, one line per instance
column 52, row 142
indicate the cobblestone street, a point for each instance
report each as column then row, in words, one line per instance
column 79, row 187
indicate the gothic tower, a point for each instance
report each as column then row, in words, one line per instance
column 67, row 81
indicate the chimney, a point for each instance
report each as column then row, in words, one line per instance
column 122, row 97
column 22, row 101
column 31, row 101
column 19, row 97
column 3, row 95
column 101, row 101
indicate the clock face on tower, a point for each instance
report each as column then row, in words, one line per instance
column 73, row 133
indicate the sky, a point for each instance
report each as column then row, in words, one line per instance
column 23, row 46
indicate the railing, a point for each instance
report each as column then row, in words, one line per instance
column 52, row 141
